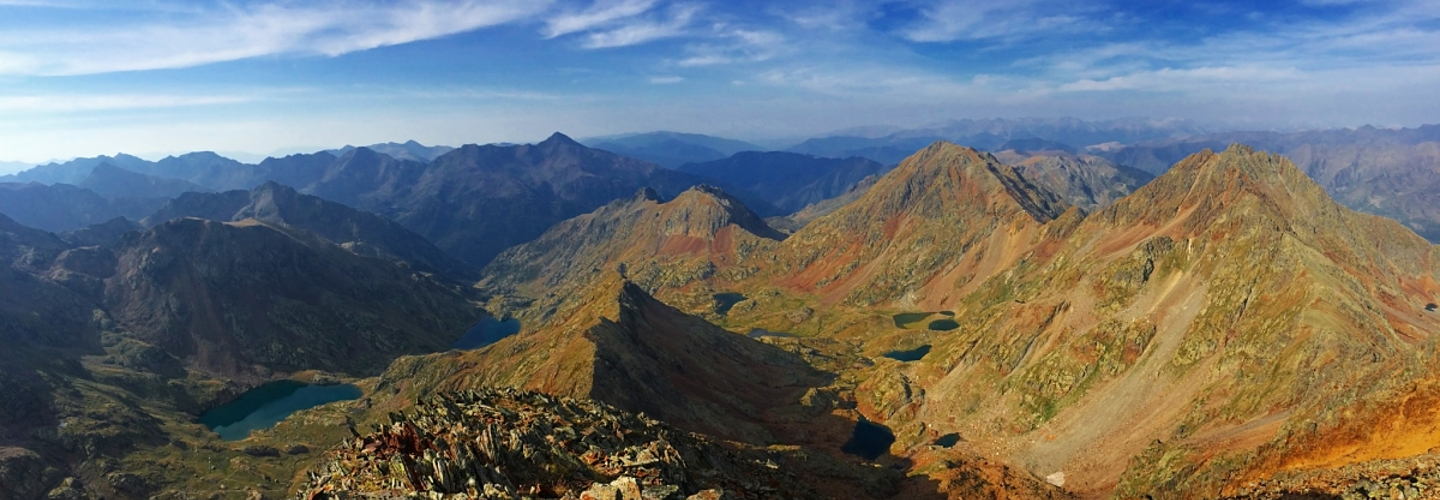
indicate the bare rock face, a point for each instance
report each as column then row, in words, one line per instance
column 505, row 444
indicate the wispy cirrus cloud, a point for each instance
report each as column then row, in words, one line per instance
column 672, row 22
column 601, row 14
column 736, row 45
column 952, row 20
column 224, row 32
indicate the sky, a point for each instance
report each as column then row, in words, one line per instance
column 154, row 77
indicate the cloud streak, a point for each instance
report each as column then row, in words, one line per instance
column 233, row 33
column 673, row 23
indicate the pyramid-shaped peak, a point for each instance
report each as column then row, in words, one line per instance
column 558, row 138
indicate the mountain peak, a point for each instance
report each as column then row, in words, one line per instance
column 646, row 193
column 559, row 139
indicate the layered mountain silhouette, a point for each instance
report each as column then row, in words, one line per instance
column 114, row 183
column 65, row 207
column 406, row 151
column 789, row 181
column 362, row 233
column 672, row 149
column 476, row 201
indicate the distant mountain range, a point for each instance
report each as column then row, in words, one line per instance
column 790, row 181
column 671, row 149
column 889, row 146
column 408, row 151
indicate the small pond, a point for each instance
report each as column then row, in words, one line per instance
column 869, row 440
column 948, row 440
column 488, row 331
column 910, row 355
column 943, row 325
column 263, row 407
column 727, row 300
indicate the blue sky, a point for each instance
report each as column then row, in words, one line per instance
column 86, row 77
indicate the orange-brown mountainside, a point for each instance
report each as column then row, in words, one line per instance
column 245, row 299
column 630, row 350
column 703, row 238
column 925, row 235
column 1182, row 337
column 1088, row 182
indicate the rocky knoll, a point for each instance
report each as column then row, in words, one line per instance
column 504, row 444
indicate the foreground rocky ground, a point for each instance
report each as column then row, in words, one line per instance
column 496, row 444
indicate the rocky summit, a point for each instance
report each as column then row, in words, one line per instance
column 505, row 444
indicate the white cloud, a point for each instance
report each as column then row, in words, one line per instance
column 673, row 24
column 666, row 80
column 951, row 20
column 600, row 14
column 1170, row 79
column 231, row 33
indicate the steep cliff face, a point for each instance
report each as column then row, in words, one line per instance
column 943, row 221
column 242, row 299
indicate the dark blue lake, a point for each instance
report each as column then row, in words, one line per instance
column 869, row 440
column 488, row 331
column 267, row 405
column 911, row 355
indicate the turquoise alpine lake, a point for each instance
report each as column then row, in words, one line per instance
column 263, row 407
